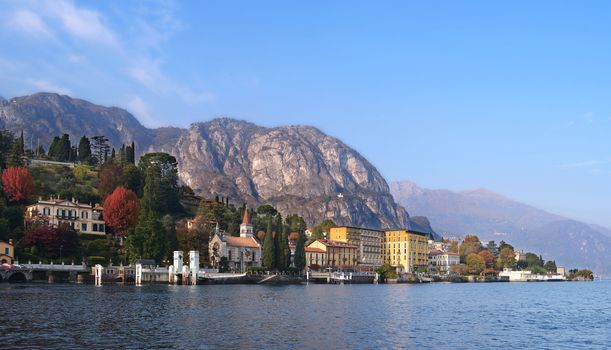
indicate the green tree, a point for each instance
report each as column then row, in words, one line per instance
column 269, row 259
column 324, row 227
column 278, row 252
column 169, row 225
column 6, row 143
column 15, row 156
column 492, row 248
column 267, row 209
column 386, row 272
column 285, row 251
column 532, row 260
column 300, row 258
column 148, row 239
column 84, row 151
column 132, row 178
column 504, row 244
column 161, row 177
column 550, row 266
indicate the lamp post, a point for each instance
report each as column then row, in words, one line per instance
column 61, row 246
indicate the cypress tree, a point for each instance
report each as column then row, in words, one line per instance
column 277, row 243
column 269, row 260
column 300, row 260
column 285, row 252
column 54, row 148
column 14, row 156
column 132, row 154
column 21, row 143
column 84, row 150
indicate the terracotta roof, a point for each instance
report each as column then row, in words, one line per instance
column 246, row 220
column 248, row 242
column 336, row 244
column 313, row 250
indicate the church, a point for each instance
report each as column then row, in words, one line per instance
column 240, row 252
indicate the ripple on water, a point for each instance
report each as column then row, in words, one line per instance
column 457, row 316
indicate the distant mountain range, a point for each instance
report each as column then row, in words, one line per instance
column 298, row 169
column 495, row 217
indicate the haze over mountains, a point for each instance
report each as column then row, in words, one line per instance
column 495, row 217
column 298, row 169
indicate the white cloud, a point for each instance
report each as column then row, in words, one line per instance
column 80, row 22
column 47, row 86
column 29, row 23
column 149, row 74
column 142, row 111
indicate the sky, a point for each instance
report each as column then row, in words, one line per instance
column 511, row 96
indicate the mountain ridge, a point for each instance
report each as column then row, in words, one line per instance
column 297, row 168
column 493, row 216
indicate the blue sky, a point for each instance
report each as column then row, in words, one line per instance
column 511, row 96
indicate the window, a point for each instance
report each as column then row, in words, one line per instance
column 6, row 251
column 95, row 227
column 83, row 227
column 46, row 211
column 229, row 254
column 254, row 256
column 102, row 228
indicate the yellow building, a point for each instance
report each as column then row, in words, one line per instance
column 7, row 252
column 84, row 218
column 406, row 250
column 326, row 254
column 368, row 241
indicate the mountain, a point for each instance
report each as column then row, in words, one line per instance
column 295, row 168
column 298, row 169
column 45, row 115
column 495, row 217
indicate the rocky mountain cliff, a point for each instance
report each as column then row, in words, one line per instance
column 495, row 217
column 295, row 168
column 298, row 169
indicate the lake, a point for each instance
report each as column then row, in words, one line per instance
column 444, row 316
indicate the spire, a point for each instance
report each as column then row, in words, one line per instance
column 246, row 219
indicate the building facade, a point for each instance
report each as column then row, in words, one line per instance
column 368, row 241
column 84, row 218
column 331, row 254
column 440, row 261
column 316, row 258
column 406, row 250
column 7, row 252
column 241, row 252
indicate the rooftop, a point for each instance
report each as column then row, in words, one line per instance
column 248, row 242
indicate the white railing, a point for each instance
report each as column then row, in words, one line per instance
column 51, row 267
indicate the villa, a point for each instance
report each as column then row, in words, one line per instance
column 84, row 218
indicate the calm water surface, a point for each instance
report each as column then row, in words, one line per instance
column 444, row 316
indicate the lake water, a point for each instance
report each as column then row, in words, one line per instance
column 445, row 316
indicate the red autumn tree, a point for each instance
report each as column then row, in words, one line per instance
column 52, row 242
column 121, row 209
column 488, row 258
column 17, row 183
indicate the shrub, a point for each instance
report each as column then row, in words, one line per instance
column 94, row 260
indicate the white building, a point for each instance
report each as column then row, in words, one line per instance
column 240, row 252
column 84, row 218
column 526, row 276
column 440, row 262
